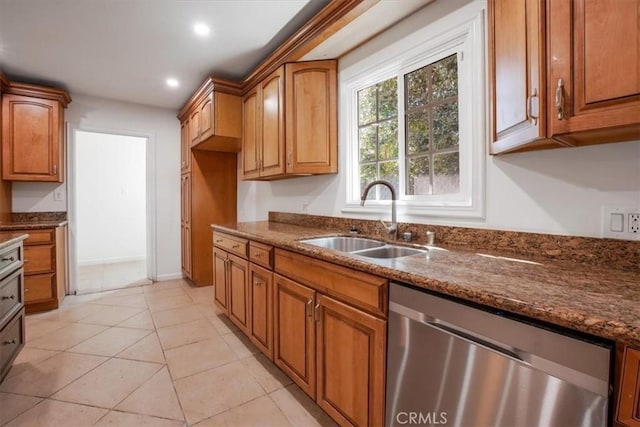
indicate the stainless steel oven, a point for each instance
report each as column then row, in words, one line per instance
column 453, row 364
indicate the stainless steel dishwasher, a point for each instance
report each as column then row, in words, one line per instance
column 452, row 364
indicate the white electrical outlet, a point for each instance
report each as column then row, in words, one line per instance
column 634, row 223
column 621, row 222
column 305, row 207
column 58, row 194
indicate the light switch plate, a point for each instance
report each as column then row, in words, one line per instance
column 616, row 222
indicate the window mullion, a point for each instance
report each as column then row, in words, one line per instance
column 402, row 161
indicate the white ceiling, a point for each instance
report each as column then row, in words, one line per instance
column 126, row 49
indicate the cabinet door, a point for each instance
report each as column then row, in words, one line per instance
column 261, row 288
column 194, row 127
column 594, row 51
column 351, row 363
column 31, row 139
column 271, row 152
column 517, row 74
column 294, row 332
column 629, row 404
column 311, row 117
column 250, row 134
column 206, row 118
column 220, row 279
column 185, row 147
column 238, row 288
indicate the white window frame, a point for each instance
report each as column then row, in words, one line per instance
column 461, row 32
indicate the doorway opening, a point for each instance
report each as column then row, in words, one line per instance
column 110, row 215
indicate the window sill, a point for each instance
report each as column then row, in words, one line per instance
column 405, row 210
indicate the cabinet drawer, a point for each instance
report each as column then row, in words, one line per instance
column 40, row 236
column 261, row 254
column 39, row 259
column 11, row 295
column 10, row 259
column 11, row 342
column 356, row 288
column 233, row 244
column 39, row 287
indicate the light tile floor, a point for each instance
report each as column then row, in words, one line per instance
column 100, row 277
column 157, row 355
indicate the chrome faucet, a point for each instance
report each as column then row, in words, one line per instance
column 392, row 228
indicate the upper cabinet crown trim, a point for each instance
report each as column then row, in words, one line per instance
column 209, row 85
column 41, row 92
column 334, row 16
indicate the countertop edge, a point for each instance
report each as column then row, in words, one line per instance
column 603, row 328
column 32, row 225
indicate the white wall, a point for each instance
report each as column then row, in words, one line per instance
column 161, row 124
column 557, row 191
column 110, row 194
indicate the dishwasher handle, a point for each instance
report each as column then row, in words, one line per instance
column 464, row 335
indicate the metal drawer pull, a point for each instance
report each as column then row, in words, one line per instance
column 560, row 99
column 26, row 289
column 4, row 297
column 218, row 240
column 532, row 104
column 258, row 255
column 235, row 246
column 259, row 283
column 55, row 169
column 308, row 308
column 9, row 258
column 13, row 341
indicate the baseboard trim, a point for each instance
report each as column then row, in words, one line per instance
column 165, row 277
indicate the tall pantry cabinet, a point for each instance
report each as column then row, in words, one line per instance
column 210, row 138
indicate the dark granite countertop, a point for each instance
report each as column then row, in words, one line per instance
column 30, row 225
column 33, row 221
column 592, row 299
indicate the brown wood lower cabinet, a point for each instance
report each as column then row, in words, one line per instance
column 324, row 325
column 351, row 347
column 261, row 306
column 294, row 332
column 628, row 413
column 45, row 268
column 231, row 292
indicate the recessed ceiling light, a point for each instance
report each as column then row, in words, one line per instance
column 171, row 82
column 201, row 29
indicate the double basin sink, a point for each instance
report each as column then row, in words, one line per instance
column 364, row 247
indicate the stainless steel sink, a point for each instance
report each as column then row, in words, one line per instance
column 344, row 244
column 391, row 252
column 364, row 247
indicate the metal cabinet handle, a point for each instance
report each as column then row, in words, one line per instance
column 235, row 246
column 289, row 159
column 4, row 297
column 560, row 100
column 218, row 240
column 13, row 341
column 55, row 169
column 258, row 255
column 258, row 282
column 316, row 313
column 26, row 289
column 530, row 107
column 308, row 308
column 9, row 258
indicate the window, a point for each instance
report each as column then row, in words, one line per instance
column 416, row 119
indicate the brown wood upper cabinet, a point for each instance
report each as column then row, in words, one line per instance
column 563, row 73
column 211, row 119
column 33, row 133
column 290, row 122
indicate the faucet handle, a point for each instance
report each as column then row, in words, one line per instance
column 406, row 236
